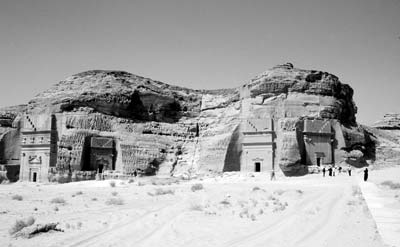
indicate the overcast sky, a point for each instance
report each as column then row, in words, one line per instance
column 203, row 44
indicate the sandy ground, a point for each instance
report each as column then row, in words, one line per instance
column 231, row 210
column 384, row 203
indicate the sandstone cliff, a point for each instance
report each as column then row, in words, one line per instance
column 188, row 131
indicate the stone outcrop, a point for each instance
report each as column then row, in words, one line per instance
column 386, row 134
column 390, row 121
column 183, row 131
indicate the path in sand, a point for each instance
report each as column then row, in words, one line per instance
column 386, row 216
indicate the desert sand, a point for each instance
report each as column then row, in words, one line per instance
column 232, row 209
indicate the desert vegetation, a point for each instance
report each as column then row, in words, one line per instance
column 390, row 184
column 21, row 224
column 17, row 197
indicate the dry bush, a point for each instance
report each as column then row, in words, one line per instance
column 21, row 224
column 196, row 187
column 356, row 190
column 115, row 201
column 256, row 188
column 94, row 199
column 279, row 192
column 351, row 203
column 279, row 207
column 17, row 197
column 196, row 207
column 77, row 193
column 131, row 180
column 141, row 183
column 56, row 209
column 392, row 185
column 244, row 212
column 112, row 184
column 225, row 202
column 160, row 191
column 114, row 193
column 58, row 200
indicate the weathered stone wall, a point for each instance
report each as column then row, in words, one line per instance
column 193, row 131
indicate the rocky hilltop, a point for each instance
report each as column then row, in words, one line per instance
column 195, row 131
column 386, row 134
column 389, row 121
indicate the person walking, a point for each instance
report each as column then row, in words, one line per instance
column 366, row 174
column 330, row 171
column 340, row 169
column 323, row 171
column 272, row 175
column 349, row 171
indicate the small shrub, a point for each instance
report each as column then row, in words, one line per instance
column 196, row 207
column 300, row 192
column 114, row 193
column 94, row 199
column 196, row 187
column 244, row 212
column 141, row 184
column 279, row 207
column 131, row 180
column 160, row 191
column 79, row 193
column 256, row 188
column 79, row 225
column 391, row 185
column 35, row 209
column 351, row 203
column 115, row 201
column 279, row 192
column 17, row 197
column 21, row 224
column 56, row 209
column 112, row 184
column 58, row 200
column 225, row 202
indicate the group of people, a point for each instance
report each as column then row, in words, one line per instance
column 332, row 169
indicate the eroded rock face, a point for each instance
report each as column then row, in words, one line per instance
column 306, row 89
column 385, row 133
column 390, row 121
column 189, row 131
column 119, row 94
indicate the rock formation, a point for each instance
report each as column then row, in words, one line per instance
column 390, row 121
column 181, row 131
column 386, row 135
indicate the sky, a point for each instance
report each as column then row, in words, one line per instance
column 203, row 44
